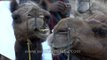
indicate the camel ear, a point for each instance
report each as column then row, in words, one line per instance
column 13, row 5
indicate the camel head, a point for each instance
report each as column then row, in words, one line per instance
column 29, row 22
column 68, row 32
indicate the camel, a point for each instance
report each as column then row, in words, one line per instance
column 30, row 30
column 86, row 8
column 87, row 38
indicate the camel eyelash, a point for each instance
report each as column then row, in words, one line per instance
column 62, row 31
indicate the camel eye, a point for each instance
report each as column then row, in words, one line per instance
column 55, row 48
column 16, row 18
column 30, row 15
column 62, row 31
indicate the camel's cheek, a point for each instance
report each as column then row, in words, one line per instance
column 60, row 37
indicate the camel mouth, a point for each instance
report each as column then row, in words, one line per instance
column 60, row 50
column 43, row 30
column 42, row 33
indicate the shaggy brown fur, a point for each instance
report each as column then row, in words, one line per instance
column 92, row 46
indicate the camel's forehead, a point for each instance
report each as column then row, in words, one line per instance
column 75, row 23
column 30, row 4
column 26, row 7
column 61, row 24
column 23, row 10
column 69, row 22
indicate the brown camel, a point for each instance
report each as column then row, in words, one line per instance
column 29, row 27
column 85, row 39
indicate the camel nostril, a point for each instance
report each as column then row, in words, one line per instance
column 47, row 17
column 35, row 29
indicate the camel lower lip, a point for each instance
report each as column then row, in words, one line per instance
column 43, row 30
